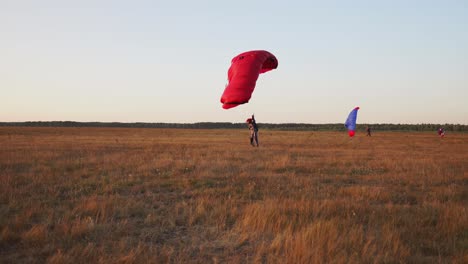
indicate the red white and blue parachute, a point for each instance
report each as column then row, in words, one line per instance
column 350, row 123
column 243, row 75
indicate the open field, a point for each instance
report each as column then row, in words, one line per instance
column 87, row 195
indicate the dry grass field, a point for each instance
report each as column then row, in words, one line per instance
column 110, row 195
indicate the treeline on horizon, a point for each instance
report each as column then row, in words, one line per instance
column 227, row 125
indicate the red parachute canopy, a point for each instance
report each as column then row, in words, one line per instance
column 243, row 75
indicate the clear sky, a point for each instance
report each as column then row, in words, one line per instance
column 166, row 61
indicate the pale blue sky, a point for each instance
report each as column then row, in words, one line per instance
column 167, row 61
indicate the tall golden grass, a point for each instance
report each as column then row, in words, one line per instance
column 114, row 195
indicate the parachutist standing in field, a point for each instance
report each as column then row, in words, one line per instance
column 441, row 132
column 368, row 130
column 253, row 128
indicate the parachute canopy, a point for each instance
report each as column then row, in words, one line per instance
column 243, row 75
column 350, row 123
